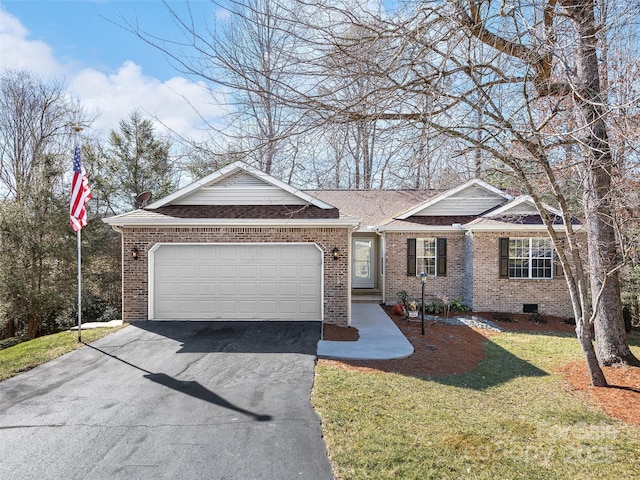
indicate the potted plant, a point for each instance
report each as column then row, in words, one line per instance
column 400, row 307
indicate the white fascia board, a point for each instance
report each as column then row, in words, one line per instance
column 121, row 221
column 422, row 228
column 228, row 170
column 511, row 227
column 518, row 201
column 438, row 198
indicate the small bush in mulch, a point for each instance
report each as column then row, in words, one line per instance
column 503, row 317
column 539, row 318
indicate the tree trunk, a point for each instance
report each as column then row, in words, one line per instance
column 32, row 327
column 611, row 340
column 10, row 328
column 595, row 372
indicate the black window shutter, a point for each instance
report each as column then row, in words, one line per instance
column 441, row 257
column 411, row 257
column 504, row 257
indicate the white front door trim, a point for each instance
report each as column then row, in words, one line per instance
column 363, row 267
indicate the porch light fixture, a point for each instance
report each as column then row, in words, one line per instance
column 335, row 252
column 134, row 253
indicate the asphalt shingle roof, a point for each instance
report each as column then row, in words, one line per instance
column 375, row 207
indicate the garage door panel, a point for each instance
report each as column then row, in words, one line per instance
column 226, row 308
column 186, row 254
column 288, row 271
column 165, row 271
column 267, row 289
column 247, row 306
column 246, row 289
column 207, row 271
column 206, row 288
column 166, row 305
column 247, row 271
column 307, row 289
column 288, row 306
column 267, row 255
column 253, row 281
column 206, row 305
column 163, row 289
column 187, row 306
column 288, row 289
column 227, row 271
column 267, row 272
column 268, row 307
column 227, row 289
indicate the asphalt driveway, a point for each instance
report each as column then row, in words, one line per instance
column 170, row 400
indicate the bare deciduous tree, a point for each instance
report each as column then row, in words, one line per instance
column 518, row 84
column 35, row 120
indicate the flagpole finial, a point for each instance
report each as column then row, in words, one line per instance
column 78, row 128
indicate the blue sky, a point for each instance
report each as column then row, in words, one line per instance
column 108, row 68
column 83, row 31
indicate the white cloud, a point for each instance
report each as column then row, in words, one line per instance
column 19, row 53
column 116, row 95
column 112, row 95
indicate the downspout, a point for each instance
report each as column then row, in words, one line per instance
column 383, row 262
column 468, row 268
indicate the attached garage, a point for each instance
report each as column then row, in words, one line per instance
column 237, row 244
column 274, row 281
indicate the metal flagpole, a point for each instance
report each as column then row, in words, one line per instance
column 79, row 287
column 77, row 130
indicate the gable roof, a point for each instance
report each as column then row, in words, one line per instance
column 236, row 195
column 521, row 214
column 522, row 205
column 474, row 197
column 238, row 184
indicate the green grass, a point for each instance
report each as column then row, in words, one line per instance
column 509, row 418
column 27, row 355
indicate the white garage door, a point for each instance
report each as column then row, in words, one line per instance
column 236, row 282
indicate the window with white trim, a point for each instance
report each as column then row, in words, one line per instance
column 530, row 258
column 426, row 256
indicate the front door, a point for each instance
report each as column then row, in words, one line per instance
column 363, row 262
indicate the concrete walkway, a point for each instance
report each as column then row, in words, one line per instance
column 380, row 339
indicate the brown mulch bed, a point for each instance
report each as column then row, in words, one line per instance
column 621, row 400
column 450, row 349
column 339, row 334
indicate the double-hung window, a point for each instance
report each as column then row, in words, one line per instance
column 526, row 258
column 428, row 255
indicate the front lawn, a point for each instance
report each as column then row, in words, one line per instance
column 32, row 353
column 511, row 417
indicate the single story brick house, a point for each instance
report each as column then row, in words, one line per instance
column 240, row 244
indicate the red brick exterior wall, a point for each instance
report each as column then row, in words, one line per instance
column 135, row 272
column 478, row 284
column 436, row 288
column 492, row 293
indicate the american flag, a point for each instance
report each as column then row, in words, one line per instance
column 80, row 192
